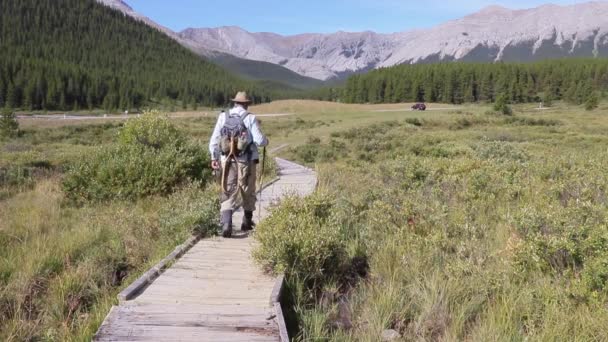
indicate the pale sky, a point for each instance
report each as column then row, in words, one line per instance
column 324, row 16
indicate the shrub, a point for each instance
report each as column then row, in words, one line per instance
column 306, row 153
column 301, row 238
column 151, row 130
column 592, row 101
column 414, row 121
column 193, row 208
column 547, row 99
column 129, row 172
column 467, row 122
column 9, row 127
column 314, row 140
column 532, row 121
column 152, row 158
column 502, row 105
column 501, row 152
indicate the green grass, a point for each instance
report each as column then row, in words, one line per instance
column 453, row 224
column 61, row 264
column 476, row 227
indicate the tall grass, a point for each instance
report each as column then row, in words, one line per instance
column 62, row 265
column 491, row 231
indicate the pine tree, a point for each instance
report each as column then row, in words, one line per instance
column 2, row 92
column 12, row 96
column 9, row 127
column 547, row 99
column 42, row 65
column 571, row 80
column 502, row 105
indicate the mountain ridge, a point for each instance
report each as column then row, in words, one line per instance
column 246, row 68
column 495, row 33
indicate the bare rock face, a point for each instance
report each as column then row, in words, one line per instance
column 320, row 56
column 492, row 34
column 496, row 33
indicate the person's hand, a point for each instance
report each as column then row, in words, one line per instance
column 215, row 164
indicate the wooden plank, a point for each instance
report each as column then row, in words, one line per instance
column 168, row 299
column 167, row 333
column 138, row 285
column 218, row 309
column 195, row 320
column 275, row 301
column 217, row 260
column 217, row 275
column 210, row 301
column 208, row 285
column 283, row 332
column 275, row 296
column 249, row 295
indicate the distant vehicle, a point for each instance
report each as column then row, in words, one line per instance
column 419, row 106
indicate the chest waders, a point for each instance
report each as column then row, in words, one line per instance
column 232, row 158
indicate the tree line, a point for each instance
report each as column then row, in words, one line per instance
column 572, row 80
column 78, row 54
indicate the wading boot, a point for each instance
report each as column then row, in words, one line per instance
column 227, row 223
column 247, row 224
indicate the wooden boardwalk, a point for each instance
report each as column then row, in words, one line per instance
column 214, row 292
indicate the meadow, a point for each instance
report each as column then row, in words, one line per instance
column 452, row 224
column 456, row 225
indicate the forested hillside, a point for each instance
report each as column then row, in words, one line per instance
column 572, row 80
column 264, row 71
column 76, row 54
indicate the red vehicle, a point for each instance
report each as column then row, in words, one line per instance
column 419, row 106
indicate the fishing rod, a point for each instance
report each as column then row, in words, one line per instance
column 261, row 184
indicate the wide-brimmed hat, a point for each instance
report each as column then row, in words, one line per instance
column 241, row 97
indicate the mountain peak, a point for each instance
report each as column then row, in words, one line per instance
column 118, row 4
column 494, row 9
column 495, row 33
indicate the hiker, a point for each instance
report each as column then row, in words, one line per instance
column 234, row 149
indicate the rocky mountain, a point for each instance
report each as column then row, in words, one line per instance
column 500, row 34
column 493, row 34
column 247, row 68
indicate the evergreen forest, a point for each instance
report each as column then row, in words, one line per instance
column 572, row 80
column 78, row 54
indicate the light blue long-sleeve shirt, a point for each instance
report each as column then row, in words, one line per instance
column 253, row 129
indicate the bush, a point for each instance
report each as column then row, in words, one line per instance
column 152, row 158
column 592, row 101
column 301, row 238
column 547, row 99
column 502, row 105
column 501, row 152
column 192, row 208
column 414, row 121
column 151, row 130
column 526, row 121
column 9, row 127
column 467, row 122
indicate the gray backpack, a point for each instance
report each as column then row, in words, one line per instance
column 234, row 136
